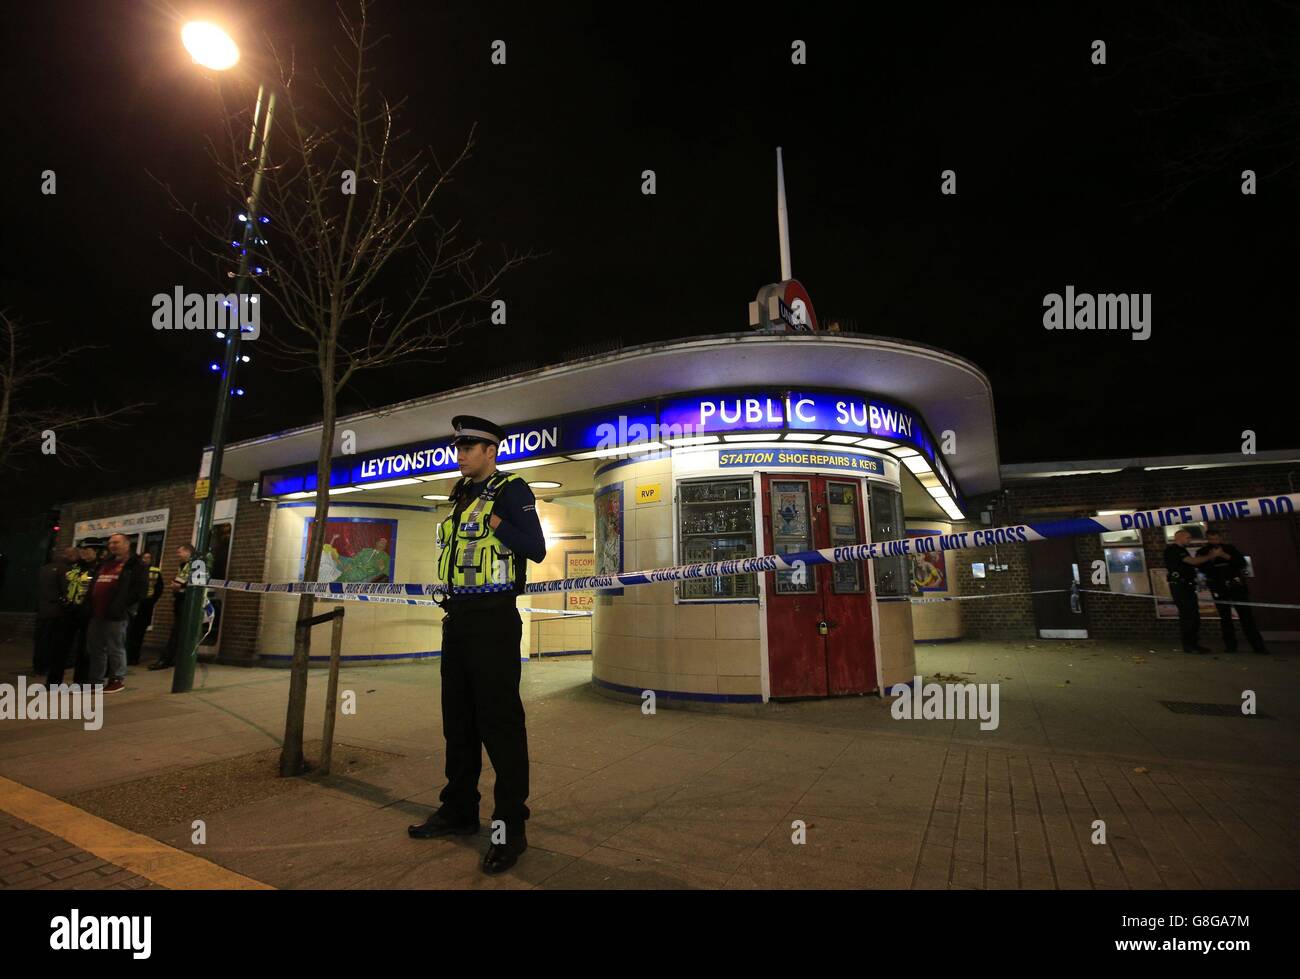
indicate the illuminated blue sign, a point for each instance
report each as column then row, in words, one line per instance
column 640, row 422
column 723, row 413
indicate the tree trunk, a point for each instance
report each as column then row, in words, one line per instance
column 291, row 758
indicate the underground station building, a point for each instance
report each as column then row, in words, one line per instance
column 772, row 440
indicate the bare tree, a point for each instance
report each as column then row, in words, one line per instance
column 26, row 428
column 361, row 273
column 1219, row 90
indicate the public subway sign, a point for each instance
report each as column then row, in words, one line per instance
column 644, row 422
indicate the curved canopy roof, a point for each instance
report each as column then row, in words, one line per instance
column 951, row 393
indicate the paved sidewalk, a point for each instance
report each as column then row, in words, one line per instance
column 714, row 799
column 31, row 858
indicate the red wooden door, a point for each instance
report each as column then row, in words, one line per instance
column 846, row 598
column 819, row 633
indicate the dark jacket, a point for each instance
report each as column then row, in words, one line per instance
column 128, row 590
column 1224, row 572
column 49, row 590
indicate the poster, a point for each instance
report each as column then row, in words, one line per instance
column 608, row 504
column 1165, row 607
column 579, row 564
column 929, row 570
column 794, row 517
column 357, row 549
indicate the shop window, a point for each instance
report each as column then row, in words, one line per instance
column 716, row 523
column 842, row 499
column 1126, row 570
column 892, row 573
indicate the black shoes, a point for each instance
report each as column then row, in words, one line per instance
column 439, row 825
column 502, row 856
column 160, row 665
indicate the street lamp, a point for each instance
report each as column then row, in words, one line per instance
column 209, row 45
column 213, row 48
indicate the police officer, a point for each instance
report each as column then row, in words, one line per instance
column 167, row 658
column 51, row 632
column 1228, row 585
column 77, row 583
column 1181, row 567
column 144, row 613
column 484, row 547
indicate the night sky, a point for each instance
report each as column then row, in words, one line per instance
column 1116, row 178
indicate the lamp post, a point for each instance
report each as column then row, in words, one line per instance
column 212, row 48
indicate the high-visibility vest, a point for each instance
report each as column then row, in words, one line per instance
column 470, row 555
column 76, row 580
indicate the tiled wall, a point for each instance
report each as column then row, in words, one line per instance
column 938, row 620
column 641, row 638
column 367, row 628
column 566, row 633
column 897, row 654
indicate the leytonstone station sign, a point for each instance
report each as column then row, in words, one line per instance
column 845, row 418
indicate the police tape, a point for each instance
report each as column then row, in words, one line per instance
column 796, row 561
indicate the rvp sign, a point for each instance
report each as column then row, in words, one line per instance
column 649, row 493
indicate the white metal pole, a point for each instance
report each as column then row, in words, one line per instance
column 782, row 219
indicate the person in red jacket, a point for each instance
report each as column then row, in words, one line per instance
column 120, row 582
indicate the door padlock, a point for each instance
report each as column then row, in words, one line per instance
column 823, row 628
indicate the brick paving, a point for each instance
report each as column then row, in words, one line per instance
column 1019, row 820
column 32, row 859
column 707, row 799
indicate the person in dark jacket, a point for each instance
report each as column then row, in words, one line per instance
column 119, row 584
column 76, row 613
column 178, row 584
column 1228, row 585
column 143, row 617
column 1182, row 568
column 50, row 631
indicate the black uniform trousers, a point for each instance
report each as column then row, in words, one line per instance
column 1231, row 592
column 168, row 656
column 1189, row 613
column 135, row 631
column 49, row 637
column 67, row 648
column 481, row 708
